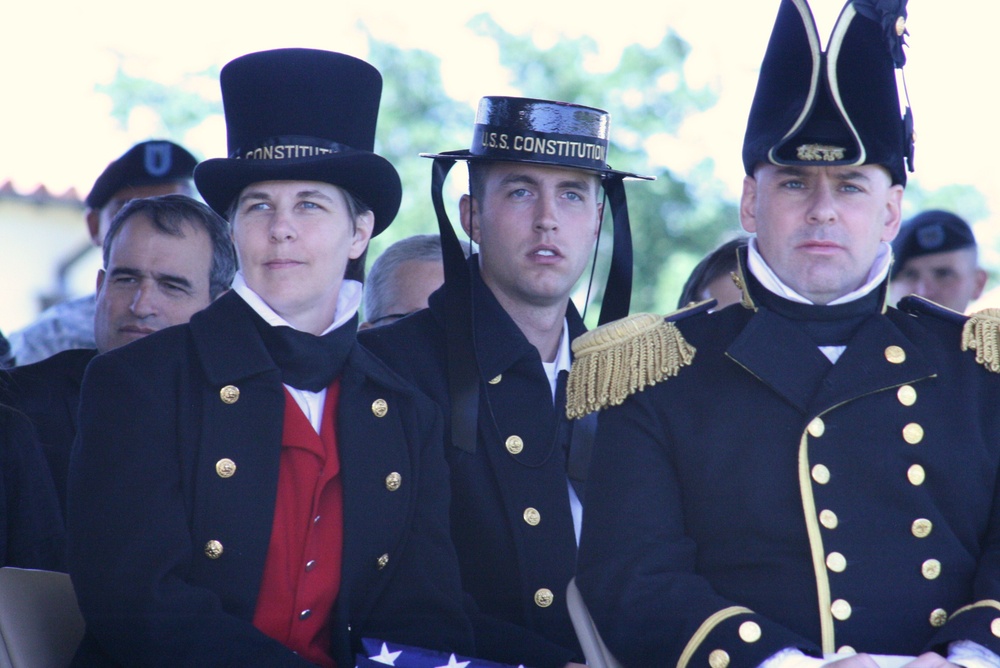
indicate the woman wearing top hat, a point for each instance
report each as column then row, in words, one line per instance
column 253, row 488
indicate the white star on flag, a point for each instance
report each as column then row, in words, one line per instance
column 454, row 663
column 389, row 658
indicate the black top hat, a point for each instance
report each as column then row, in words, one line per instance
column 542, row 132
column 147, row 163
column 840, row 107
column 302, row 115
column 933, row 231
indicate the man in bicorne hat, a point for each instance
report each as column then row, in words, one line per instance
column 807, row 477
column 492, row 351
column 253, row 488
column 936, row 257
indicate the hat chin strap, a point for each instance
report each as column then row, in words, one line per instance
column 463, row 367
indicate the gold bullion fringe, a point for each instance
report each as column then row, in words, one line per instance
column 621, row 358
column 982, row 334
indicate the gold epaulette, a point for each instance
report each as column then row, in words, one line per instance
column 982, row 334
column 621, row 358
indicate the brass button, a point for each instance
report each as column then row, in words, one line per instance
column 829, row 519
column 921, row 527
column 532, row 516
column 906, row 395
column 913, row 433
column 821, row 474
column 311, row 564
column 514, row 444
column 836, row 562
column 393, row 481
column 544, row 597
column 225, row 468
column 750, row 631
column 939, row 617
column 380, row 408
column 995, row 627
column 718, row 659
column 213, row 549
column 305, row 614
column 900, row 26
column 916, row 474
column 496, row 379
column 230, row 394
column 931, row 569
column 895, row 355
column 816, row 427
column 382, row 561
column 841, row 609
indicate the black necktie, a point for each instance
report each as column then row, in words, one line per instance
column 308, row 362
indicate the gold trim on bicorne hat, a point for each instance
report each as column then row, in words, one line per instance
column 621, row 358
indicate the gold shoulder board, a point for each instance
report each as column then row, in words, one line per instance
column 621, row 358
column 982, row 334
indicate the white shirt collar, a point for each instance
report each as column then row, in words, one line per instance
column 348, row 302
column 763, row 273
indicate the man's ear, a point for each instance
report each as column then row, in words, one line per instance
column 94, row 225
column 748, row 204
column 468, row 209
column 101, row 274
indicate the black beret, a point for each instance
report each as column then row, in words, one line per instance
column 148, row 163
column 929, row 232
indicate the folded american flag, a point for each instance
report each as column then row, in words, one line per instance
column 378, row 653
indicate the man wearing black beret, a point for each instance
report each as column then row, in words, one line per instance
column 150, row 168
column 808, row 477
column 936, row 257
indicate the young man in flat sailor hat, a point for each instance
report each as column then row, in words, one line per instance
column 253, row 488
column 492, row 351
column 808, row 477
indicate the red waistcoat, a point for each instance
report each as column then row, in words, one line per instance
column 302, row 572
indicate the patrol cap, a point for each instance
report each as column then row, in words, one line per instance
column 932, row 231
column 838, row 107
column 541, row 132
column 147, row 163
column 301, row 115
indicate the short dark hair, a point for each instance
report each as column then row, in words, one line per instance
column 168, row 214
column 382, row 277
column 719, row 262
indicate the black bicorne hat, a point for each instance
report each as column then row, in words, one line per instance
column 839, row 107
column 147, row 163
column 302, row 115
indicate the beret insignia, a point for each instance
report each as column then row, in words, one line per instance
column 982, row 334
column 621, row 358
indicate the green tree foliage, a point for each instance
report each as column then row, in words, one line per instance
column 179, row 107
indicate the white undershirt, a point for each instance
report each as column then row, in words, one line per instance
column 348, row 301
column 552, row 369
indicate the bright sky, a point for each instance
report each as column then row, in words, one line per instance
column 55, row 130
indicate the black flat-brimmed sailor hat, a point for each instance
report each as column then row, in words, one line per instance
column 541, row 132
column 302, row 115
column 929, row 232
column 147, row 163
column 840, row 107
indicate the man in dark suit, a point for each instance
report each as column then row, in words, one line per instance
column 253, row 488
column 490, row 351
column 165, row 259
column 808, row 477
